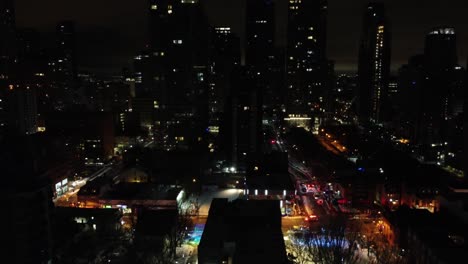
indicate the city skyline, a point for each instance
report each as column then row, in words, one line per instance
column 210, row 131
column 100, row 29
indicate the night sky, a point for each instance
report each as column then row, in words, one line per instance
column 111, row 31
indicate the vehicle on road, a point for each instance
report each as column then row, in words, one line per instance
column 311, row 218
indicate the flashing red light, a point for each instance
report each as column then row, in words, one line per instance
column 273, row 141
column 306, row 219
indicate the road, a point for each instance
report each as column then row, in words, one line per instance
column 371, row 225
column 70, row 198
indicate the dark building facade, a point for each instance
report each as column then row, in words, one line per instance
column 374, row 65
column 431, row 99
column 19, row 88
column 465, row 125
column 260, row 53
column 28, row 198
column 172, row 74
column 22, row 109
column 306, row 56
column 242, row 129
column 243, row 231
column 260, row 33
column 7, row 39
column 66, row 58
column 31, row 58
column 224, row 57
column 91, row 134
column 441, row 81
column 61, row 72
column 7, row 54
column 411, row 78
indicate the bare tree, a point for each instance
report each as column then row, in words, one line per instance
column 196, row 205
column 340, row 241
column 384, row 252
column 163, row 257
column 333, row 243
column 179, row 231
column 297, row 249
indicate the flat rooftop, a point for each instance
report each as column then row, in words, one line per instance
column 249, row 229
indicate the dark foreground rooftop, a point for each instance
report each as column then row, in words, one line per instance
column 243, row 231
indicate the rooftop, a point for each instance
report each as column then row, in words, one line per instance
column 141, row 191
column 248, row 230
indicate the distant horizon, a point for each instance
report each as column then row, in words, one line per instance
column 100, row 28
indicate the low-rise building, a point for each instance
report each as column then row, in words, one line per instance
column 131, row 196
column 429, row 238
column 243, row 231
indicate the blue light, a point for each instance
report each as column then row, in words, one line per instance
column 195, row 236
column 360, row 169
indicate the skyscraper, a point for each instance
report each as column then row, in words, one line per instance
column 260, row 53
column 411, row 79
column 160, row 15
column 18, row 109
column 441, row 48
column 465, row 126
column 443, row 89
column 374, row 65
column 7, row 38
column 306, row 56
column 431, row 103
column 171, row 74
column 224, row 56
column 242, row 129
column 152, row 69
column 30, row 57
column 443, row 78
column 260, row 33
column 66, row 60
column 23, row 109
